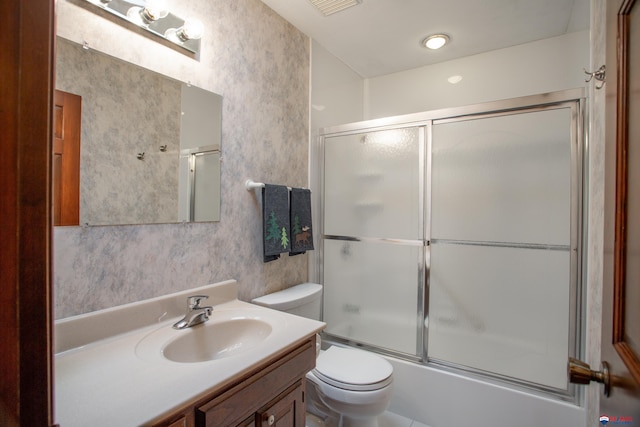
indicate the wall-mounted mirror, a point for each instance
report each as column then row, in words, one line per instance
column 134, row 125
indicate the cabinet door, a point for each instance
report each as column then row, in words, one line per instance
column 287, row 410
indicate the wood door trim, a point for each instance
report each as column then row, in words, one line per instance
column 626, row 353
column 26, row 64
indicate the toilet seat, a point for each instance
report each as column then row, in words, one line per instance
column 354, row 370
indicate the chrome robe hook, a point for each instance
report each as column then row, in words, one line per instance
column 600, row 75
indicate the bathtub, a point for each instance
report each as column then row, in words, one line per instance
column 439, row 398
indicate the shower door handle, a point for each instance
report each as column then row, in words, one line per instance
column 581, row 373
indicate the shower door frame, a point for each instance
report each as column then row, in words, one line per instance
column 575, row 99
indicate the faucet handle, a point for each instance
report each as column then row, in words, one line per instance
column 193, row 302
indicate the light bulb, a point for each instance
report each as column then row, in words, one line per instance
column 192, row 29
column 134, row 15
column 154, row 10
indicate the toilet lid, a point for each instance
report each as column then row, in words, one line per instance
column 353, row 369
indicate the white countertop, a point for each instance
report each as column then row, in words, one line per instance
column 112, row 382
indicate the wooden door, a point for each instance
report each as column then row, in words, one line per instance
column 621, row 303
column 66, row 158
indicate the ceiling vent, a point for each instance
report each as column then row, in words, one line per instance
column 328, row 7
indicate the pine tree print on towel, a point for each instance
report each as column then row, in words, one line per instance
column 276, row 234
column 284, row 239
column 273, row 229
column 296, row 229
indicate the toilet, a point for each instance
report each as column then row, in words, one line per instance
column 354, row 385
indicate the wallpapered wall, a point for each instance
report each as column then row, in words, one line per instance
column 259, row 63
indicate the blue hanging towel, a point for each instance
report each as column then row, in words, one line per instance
column 300, row 217
column 275, row 221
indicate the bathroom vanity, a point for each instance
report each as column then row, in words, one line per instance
column 272, row 395
column 127, row 366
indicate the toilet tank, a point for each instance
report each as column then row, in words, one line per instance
column 302, row 300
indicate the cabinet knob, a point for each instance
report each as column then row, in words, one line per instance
column 271, row 420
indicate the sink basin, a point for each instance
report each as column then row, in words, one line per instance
column 223, row 335
column 210, row 341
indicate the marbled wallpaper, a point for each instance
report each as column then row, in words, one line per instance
column 259, row 63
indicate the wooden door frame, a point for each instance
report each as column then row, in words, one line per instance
column 624, row 350
column 26, row 99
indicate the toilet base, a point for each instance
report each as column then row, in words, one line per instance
column 322, row 408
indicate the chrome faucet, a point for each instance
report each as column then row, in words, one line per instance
column 195, row 313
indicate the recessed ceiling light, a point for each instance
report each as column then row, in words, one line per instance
column 454, row 79
column 435, row 41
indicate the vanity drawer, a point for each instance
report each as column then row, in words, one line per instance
column 247, row 400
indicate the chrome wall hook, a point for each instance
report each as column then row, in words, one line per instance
column 163, row 148
column 140, row 156
column 600, row 75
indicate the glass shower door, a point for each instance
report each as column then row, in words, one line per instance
column 373, row 238
column 454, row 238
column 504, row 244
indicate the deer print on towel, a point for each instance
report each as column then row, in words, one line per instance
column 303, row 236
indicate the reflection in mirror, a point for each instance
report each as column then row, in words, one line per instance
column 134, row 125
column 197, row 168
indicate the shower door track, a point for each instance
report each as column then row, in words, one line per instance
column 405, row 242
column 564, row 248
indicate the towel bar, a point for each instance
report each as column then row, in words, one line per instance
column 252, row 185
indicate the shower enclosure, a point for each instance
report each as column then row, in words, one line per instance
column 452, row 238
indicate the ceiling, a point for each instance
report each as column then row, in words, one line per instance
column 379, row 37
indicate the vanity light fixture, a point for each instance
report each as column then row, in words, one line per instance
column 154, row 16
column 435, row 41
